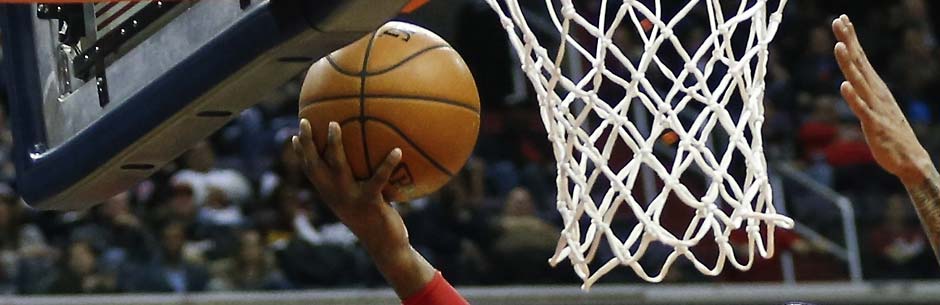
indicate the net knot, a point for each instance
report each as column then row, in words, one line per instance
column 715, row 107
column 735, row 138
column 667, row 33
column 638, row 76
column 713, row 208
column 725, row 29
column 702, row 212
column 568, row 11
column 752, row 229
column 672, row 181
column 716, row 53
column 646, row 153
column 736, row 68
column 715, row 176
column 648, row 234
column 665, row 110
column 682, row 249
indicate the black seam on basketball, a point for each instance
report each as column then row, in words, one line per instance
column 434, row 100
column 339, row 69
column 362, row 103
column 414, row 145
column 407, row 59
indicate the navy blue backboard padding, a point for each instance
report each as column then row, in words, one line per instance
column 22, row 83
column 39, row 178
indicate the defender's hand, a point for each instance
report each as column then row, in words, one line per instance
column 889, row 135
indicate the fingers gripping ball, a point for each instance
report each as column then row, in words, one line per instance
column 402, row 86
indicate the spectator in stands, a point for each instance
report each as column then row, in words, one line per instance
column 524, row 239
column 851, row 158
column 303, row 232
column 114, row 231
column 899, row 246
column 220, row 210
column 170, row 270
column 179, row 206
column 79, row 272
column 204, row 206
column 25, row 258
column 819, row 130
column 454, row 228
column 201, row 173
column 286, row 169
column 252, row 267
column 849, row 148
column 275, row 219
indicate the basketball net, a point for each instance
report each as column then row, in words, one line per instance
column 729, row 66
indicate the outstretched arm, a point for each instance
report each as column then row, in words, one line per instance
column 361, row 207
column 887, row 131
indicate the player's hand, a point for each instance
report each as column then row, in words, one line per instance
column 889, row 135
column 358, row 204
column 361, row 206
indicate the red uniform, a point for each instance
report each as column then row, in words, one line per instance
column 436, row 292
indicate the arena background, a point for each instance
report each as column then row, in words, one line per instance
column 235, row 214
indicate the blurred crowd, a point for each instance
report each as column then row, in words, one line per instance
column 236, row 212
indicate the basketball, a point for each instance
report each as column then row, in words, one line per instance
column 402, row 86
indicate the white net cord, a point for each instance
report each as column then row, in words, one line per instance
column 717, row 73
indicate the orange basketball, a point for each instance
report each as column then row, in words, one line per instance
column 402, row 86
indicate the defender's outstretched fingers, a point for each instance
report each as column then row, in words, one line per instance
column 382, row 174
column 845, row 33
column 857, row 103
column 852, row 71
column 844, row 30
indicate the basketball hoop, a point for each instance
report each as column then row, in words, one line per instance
column 727, row 68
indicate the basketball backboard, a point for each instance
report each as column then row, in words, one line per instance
column 102, row 95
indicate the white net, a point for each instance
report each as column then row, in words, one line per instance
column 697, row 94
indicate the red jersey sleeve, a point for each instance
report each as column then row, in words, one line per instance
column 436, row 292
